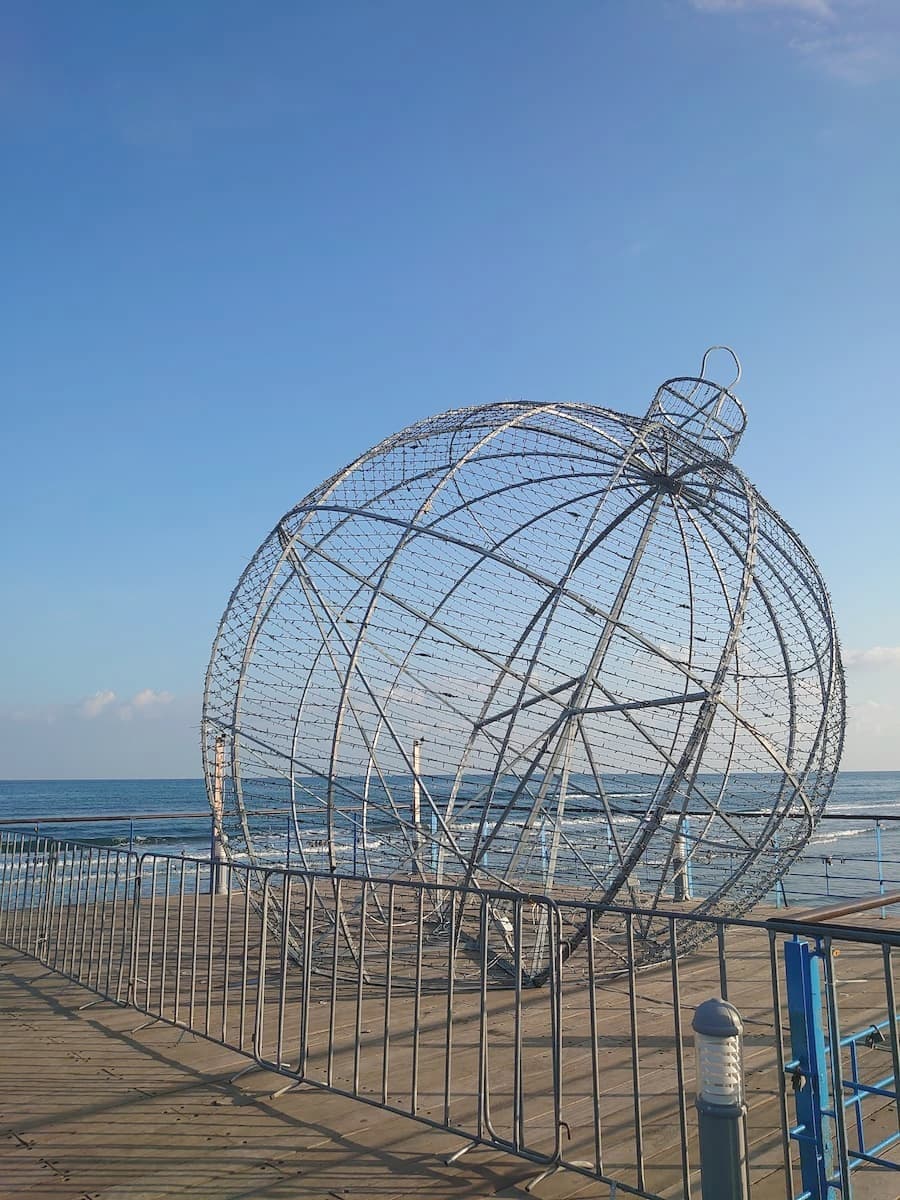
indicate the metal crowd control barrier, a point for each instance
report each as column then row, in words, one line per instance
column 421, row 999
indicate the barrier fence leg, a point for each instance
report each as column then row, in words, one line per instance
column 815, row 1135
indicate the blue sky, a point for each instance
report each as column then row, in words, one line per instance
column 243, row 244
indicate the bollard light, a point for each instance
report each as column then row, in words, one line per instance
column 718, row 1030
column 718, row 1033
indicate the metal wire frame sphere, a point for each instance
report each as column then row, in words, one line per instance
column 542, row 647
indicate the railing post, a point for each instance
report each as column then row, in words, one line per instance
column 218, row 860
column 718, row 1030
column 681, row 866
column 417, row 807
column 815, row 1133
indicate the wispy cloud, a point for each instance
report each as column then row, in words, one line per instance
column 862, row 57
column 93, row 706
column 151, row 734
column 875, row 656
column 815, row 8
column 147, row 703
column 854, row 41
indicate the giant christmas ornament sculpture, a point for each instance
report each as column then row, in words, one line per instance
column 543, row 647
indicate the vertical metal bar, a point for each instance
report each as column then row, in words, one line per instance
column 179, row 941
column 98, row 915
column 309, row 911
column 553, row 923
column 482, row 1015
column 834, row 1040
column 75, row 868
column 219, row 882
column 635, row 1051
column 336, row 926
column 360, row 976
column 89, row 913
column 856, row 1096
column 6, row 875
column 30, row 870
column 245, row 957
column 195, row 939
column 388, row 977
column 448, row 1030
column 49, row 906
column 114, row 925
column 45, row 902
column 417, row 806
column 689, row 861
column 210, row 933
column 891, row 1003
column 595, row 1044
column 76, row 916
column 284, row 931
column 778, row 1030
column 880, row 861
column 226, row 966
column 70, row 881
column 151, row 936
column 417, row 1003
column 518, row 1099
column 164, row 949
column 134, row 948
column 679, row 1056
column 723, row 969
column 259, row 1016
column 128, row 949
column 21, row 891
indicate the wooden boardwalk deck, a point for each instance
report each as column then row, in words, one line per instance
column 94, row 1108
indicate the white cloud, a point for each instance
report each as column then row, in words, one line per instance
column 146, row 702
column 875, row 656
column 854, row 41
column 94, row 705
column 861, row 57
column 815, row 8
column 160, row 741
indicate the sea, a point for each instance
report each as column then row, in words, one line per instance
column 855, row 849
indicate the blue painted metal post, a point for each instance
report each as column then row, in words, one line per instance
column 815, row 1134
column 355, row 845
column 434, row 846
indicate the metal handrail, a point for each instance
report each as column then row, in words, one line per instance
column 93, row 819
column 834, row 912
